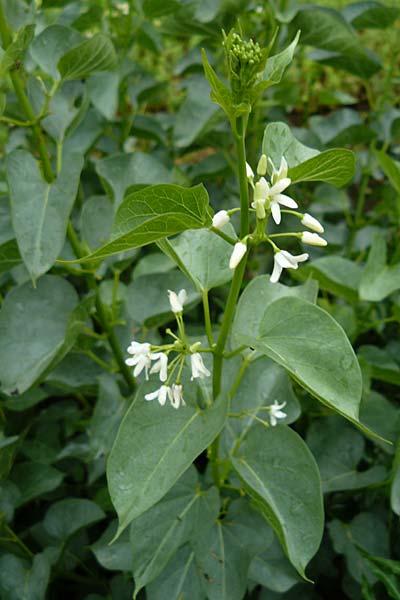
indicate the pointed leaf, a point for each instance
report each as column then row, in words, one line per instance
column 33, row 329
column 336, row 166
column 40, row 210
column 276, row 65
column 154, row 447
column 154, row 213
column 95, row 54
column 313, row 347
column 266, row 461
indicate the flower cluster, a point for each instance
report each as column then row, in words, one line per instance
column 154, row 359
column 268, row 199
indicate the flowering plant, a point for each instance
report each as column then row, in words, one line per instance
column 176, row 395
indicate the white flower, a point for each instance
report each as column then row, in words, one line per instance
column 198, row 367
column 161, row 366
column 278, row 174
column 249, row 173
column 175, row 396
column 313, row 239
column 285, row 260
column 177, row 300
column 312, row 223
column 262, row 165
column 276, row 198
column 220, row 219
column 239, row 251
column 276, row 413
column 141, row 358
column 160, row 394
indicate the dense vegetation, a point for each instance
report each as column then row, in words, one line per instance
column 267, row 465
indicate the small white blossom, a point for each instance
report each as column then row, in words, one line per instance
column 285, row 260
column 276, row 198
column 249, row 173
column 220, row 219
column 175, row 396
column 313, row 239
column 141, row 358
column 160, row 394
column 276, row 413
column 312, row 223
column 262, row 165
column 161, row 366
column 239, row 251
column 278, row 174
column 198, row 367
column 177, row 300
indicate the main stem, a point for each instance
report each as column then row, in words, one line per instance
column 18, row 84
column 240, row 136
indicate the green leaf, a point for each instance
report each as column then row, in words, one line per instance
column 395, row 488
column 9, row 256
column 335, row 274
column 40, row 210
column 66, row 517
column 196, row 114
column 367, row 531
column 16, row 50
column 378, row 279
column 263, row 383
column 34, row 480
column 276, row 65
column 33, row 330
column 336, row 166
column 202, row 256
column 269, row 458
column 48, row 47
column 116, row 556
column 220, row 93
column 273, row 570
column 382, row 416
column 20, row 580
column 342, row 127
column 159, row 532
column 96, row 220
column 122, row 171
column 370, row 14
column 180, row 579
column 326, row 29
column 107, row 415
column 147, row 300
column 159, row 8
column 389, row 167
column 381, row 363
column 223, row 553
column 259, row 294
column 103, row 93
column 154, row 447
column 95, row 54
column 311, row 345
column 279, row 141
column 154, row 213
column 338, row 449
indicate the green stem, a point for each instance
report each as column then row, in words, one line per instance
column 207, row 319
column 240, row 137
column 243, row 183
column 16, row 78
column 223, row 235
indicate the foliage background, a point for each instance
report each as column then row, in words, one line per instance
column 149, row 120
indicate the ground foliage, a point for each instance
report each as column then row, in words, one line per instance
column 100, row 102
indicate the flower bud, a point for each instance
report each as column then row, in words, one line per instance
column 177, row 300
column 220, row 219
column 239, row 251
column 313, row 239
column 312, row 223
column 249, row 173
column 262, row 165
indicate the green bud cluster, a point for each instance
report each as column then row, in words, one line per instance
column 245, row 61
